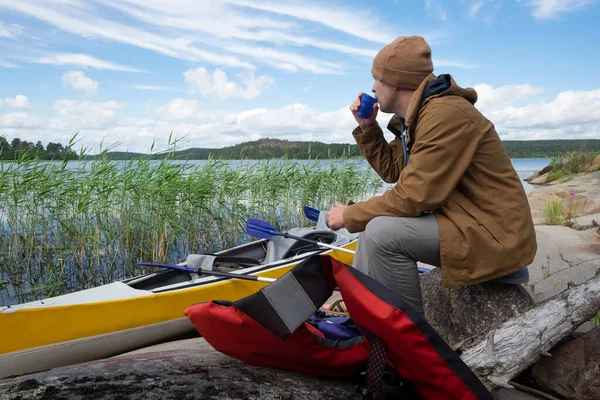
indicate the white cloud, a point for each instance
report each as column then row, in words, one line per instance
column 21, row 120
column 10, row 31
column 334, row 17
column 451, row 63
column 483, row 10
column 489, row 98
column 218, row 85
column 78, row 18
column 474, row 8
column 436, row 7
column 83, row 61
column 287, row 60
column 157, row 88
column 87, row 115
column 514, row 109
column 78, row 81
column 570, row 115
column 179, row 109
column 19, row 101
column 222, row 32
column 6, row 64
column 546, row 9
column 224, row 22
column 567, row 109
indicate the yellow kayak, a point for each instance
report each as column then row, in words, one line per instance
column 134, row 313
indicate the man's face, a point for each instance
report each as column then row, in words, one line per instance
column 385, row 95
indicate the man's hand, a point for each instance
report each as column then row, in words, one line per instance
column 335, row 217
column 362, row 122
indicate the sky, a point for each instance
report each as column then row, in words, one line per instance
column 129, row 74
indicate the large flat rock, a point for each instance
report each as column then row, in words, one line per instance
column 565, row 256
column 187, row 369
column 586, row 199
column 184, row 369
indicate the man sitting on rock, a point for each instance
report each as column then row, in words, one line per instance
column 457, row 202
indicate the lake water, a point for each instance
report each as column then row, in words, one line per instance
column 527, row 166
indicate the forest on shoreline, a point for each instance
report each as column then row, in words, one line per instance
column 276, row 148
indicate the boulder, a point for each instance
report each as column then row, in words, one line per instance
column 188, row 369
column 545, row 170
column 539, row 180
column 573, row 371
column 538, row 175
column 572, row 198
column 564, row 257
column 459, row 314
column 184, row 369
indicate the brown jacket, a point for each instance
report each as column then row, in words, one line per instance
column 458, row 169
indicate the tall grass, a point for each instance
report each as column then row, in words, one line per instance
column 67, row 226
column 572, row 162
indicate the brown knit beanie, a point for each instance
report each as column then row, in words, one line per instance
column 404, row 63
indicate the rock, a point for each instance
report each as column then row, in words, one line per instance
column 189, row 369
column 545, row 170
column 573, row 370
column 539, row 180
column 564, row 257
column 587, row 222
column 462, row 313
column 538, row 174
column 584, row 201
column 511, row 394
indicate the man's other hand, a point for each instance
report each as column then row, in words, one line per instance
column 335, row 216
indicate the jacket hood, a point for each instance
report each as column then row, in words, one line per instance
column 444, row 85
column 431, row 87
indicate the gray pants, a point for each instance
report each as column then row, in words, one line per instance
column 389, row 248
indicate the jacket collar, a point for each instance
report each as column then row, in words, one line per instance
column 398, row 125
column 417, row 101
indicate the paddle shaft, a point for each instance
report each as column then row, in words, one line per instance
column 201, row 272
column 229, row 275
column 287, row 235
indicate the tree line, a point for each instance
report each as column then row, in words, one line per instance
column 277, row 148
column 18, row 148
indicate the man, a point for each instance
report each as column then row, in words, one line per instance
column 457, row 203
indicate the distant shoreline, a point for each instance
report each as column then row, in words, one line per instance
column 266, row 149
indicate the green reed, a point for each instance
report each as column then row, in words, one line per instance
column 65, row 227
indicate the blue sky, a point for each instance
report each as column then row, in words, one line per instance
column 220, row 72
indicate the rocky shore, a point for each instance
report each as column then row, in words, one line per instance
column 564, row 365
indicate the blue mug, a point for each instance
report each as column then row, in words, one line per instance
column 366, row 105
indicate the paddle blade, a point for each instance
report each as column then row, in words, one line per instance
column 312, row 213
column 261, row 229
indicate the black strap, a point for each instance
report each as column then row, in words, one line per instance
column 378, row 355
column 383, row 382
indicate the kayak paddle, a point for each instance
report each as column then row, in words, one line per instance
column 201, row 272
column 262, row 229
column 312, row 213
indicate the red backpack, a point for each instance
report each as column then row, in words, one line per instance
column 281, row 326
